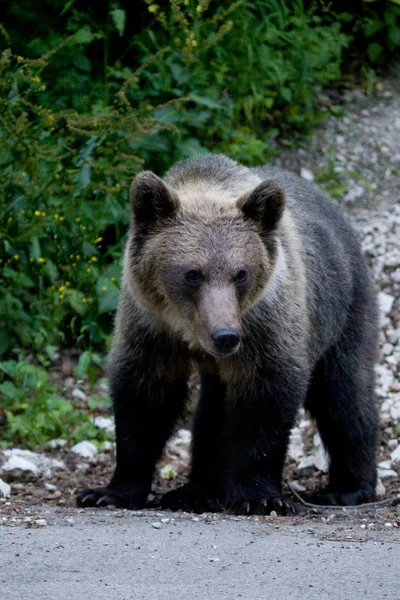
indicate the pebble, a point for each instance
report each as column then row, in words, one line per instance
column 385, row 302
column 5, row 489
column 395, row 455
column 24, row 465
column 85, row 449
column 306, row 174
column 40, row 522
column 156, row 525
column 77, row 393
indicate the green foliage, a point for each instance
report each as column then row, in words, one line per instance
column 374, row 26
column 32, row 412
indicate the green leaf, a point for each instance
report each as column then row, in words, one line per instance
column 107, row 295
column 374, row 51
column 51, row 270
column 8, row 389
column 394, row 36
column 83, row 36
column 83, row 363
column 119, row 19
column 204, row 101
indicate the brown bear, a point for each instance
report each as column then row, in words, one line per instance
column 256, row 278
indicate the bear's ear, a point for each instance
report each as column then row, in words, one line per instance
column 151, row 199
column 265, row 204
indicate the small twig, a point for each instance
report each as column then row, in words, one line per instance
column 337, row 507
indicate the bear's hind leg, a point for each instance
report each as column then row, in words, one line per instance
column 342, row 401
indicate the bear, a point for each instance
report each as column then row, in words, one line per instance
column 254, row 277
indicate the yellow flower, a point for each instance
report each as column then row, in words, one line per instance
column 93, row 259
column 62, row 296
column 84, row 300
column 153, row 8
column 98, row 240
column 31, row 259
column 43, row 87
column 104, row 288
column 113, row 279
column 57, row 176
column 83, row 227
column 52, row 128
column 67, row 283
column 62, row 218
column 88, row 270
column 56, row 216
column 118, row 186
column 61, row 288
column 36, row 79
column 42, row 260
column 37, row 213
column 78, row 256
column 16, row 256
column 20, row 58
column 194, row 43
column 78, row 219
column 43, row 214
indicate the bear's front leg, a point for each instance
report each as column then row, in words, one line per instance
column 149, row 389
column 240, row 439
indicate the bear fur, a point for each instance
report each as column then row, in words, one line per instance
column 256, row 278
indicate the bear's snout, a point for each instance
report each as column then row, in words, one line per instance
column 226, row 341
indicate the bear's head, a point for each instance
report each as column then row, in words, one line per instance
column 199, row 258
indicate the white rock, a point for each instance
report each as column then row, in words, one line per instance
column 85, row 449
column 385, row 469
column 387, row 349
column 108, row 446
column 392, row 444
column 179, row 444
column 105, row 423
column 5, row 489
column 395, row 412
column 380, row 489
column 393, row 336
column 385, row 302
column 40, row 522
column 296, row 447
column 57, row 443
column 28, row 466
column 306, row 174
column 77, row 393
column 395, row 455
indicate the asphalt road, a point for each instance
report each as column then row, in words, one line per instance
column 122, row 555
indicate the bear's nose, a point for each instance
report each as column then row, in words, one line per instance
column 226, row 341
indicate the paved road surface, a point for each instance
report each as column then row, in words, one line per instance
column 117, row 554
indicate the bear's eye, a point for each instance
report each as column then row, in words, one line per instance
column 241, row 277
column 194, row 278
